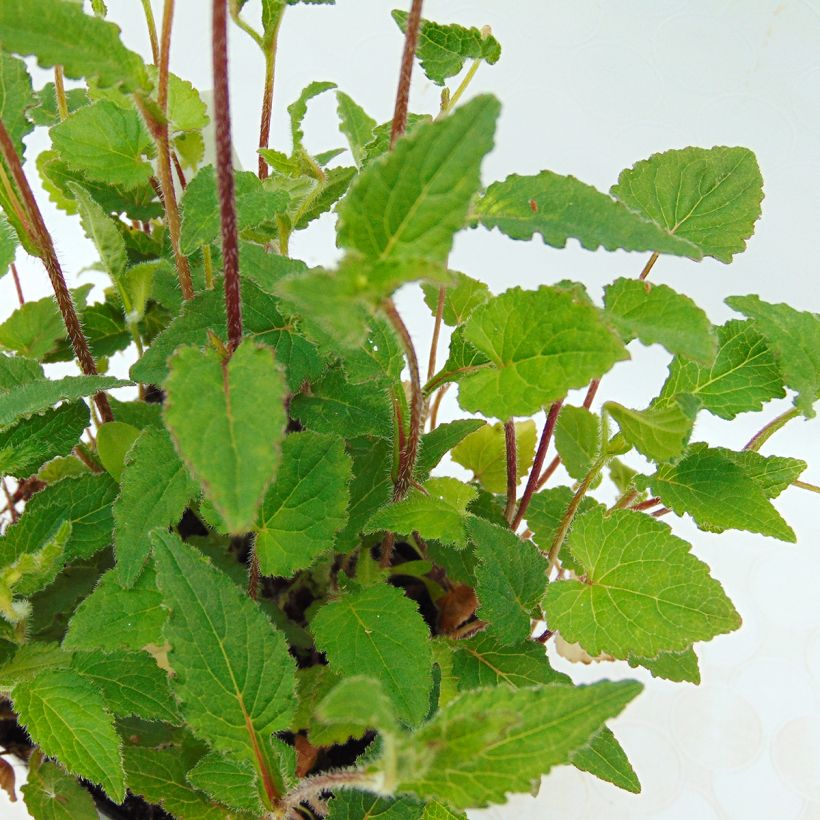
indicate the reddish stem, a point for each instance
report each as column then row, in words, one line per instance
column 20, row 298
column 591, row 391
column 645, row 505
column 431, row 362
column 648, row 267
column 538, row 463
column 512, row 468
column 406, row 72
column 267, row 95
column 224, row 168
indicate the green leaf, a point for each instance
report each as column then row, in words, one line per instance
column 31, row 442
column 660, row 433
column 717, row 493
column 67, row 718
column 130, row 682
column 483, row 661
column 227, row 420
column 771, row 473
column 16, row 98
column 57, row 32
column 262, row 318
column 133, row 617
column 298, row 109
column 675, row 666
column 334, row 405
column 742, row 379
column 360, row 700
column 46, row 112
column 234, row 676
column 460, row 299
column 793, row 336
column 355, row 124
column 658, row 314
column 155, row 489
column 186, row 109
column 577, row 439
column 410, row 204
column 106, row 143
column 159, row 775
column 429, row 513
column 228, row 781
column 709, row 196
column 100, row 229
column 510, row 580
column 438, row 442
column 306, row 506
column 379, row 632
column 493, row 741
column 562, row 207
column 50, row 794
column 114, row 439
column 84, row 502
column 31, row 659
column 605, row 758
column 314, row 683
column 643, row 592
column 16, row 371
column 33, row 329
column 8, row 245
column 355, row 805
column 484, row 452
column 442, row 50
column 540, row 344
column 255, row 205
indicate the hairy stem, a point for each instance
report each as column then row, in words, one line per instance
column 59, row 92
column 512, row 469
column 648, row 266
column 267, row 93
column 646, row 505
column 48, row 255
column 14, row 275
column 406, row 72
column 766, row 432
column 224, row 168
column 152, row 29
column 538, row 463
column 309, row 788
column 431, row 362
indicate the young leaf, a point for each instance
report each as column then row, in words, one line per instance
column 68, row 719
column 410, row 204
column 114, row 440
column 360, row 700
column 106, row 143
column 228, row 781
column 35, row 396
column 100, row 229
column 562, row 207
column 355, row 124
column 56, row 32
column 643, row 592
column 306, row 506
column 793, row 337
column 130, row 682
column 222, row 644
column 675, row 666
column 717, row 493
column 460, row 299
column 298, row 109
column 438, row 442
column 133, row 617
column 31, row 442
column 493, row 741
column 33, row 329
column 484, row 452
column 657, row 314
column 354, row 805
column 577, row 439
column 510, row 580
column 660, row 432
column 605, row 759
column 155, row 489
column 442, row 50
column 51, row 794
column 709, row 196
column 540, row 344
column 227, row 420
column 379, row 632
column 16, row 98
column 743, row 377
column 771, row 473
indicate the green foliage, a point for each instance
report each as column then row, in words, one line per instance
column 261, row 566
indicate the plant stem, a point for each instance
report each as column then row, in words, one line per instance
column 569, row 515
column 152, row 30
column 20, row 298
column 512, row 469
column 537, row 464
column 310, row 788
column 646, row 505
column 267, row 94
column 48, row 255
column 253, row 576
column 437, row 404
column 765, row 433
column 648, row 266
column 547, row 474
column 431, row 362
column 625, row 500
column 804, row 485
column 591, row 391
column 456, row 96
column 406, row 72
column 59, row 92
column 227, row 204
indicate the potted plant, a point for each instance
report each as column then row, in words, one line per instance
column 246, row 588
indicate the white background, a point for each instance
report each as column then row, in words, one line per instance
column 588, row 88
